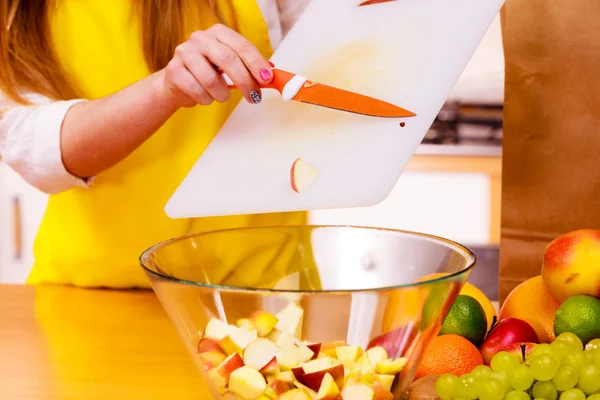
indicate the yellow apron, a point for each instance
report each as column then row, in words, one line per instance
column 93, row 237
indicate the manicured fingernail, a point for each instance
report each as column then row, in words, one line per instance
column 255, row 96
column 265, row 74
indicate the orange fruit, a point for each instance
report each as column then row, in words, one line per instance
column 532, row 303
column 449, row 354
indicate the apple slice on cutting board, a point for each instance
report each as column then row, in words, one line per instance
column 302, row 175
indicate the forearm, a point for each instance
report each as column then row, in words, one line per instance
column 97, row 134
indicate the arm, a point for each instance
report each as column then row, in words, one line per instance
column 95, row 135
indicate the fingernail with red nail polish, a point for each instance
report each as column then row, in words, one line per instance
column 255, row 96
column 265, row 74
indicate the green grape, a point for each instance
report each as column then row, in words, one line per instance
column 594, row 397
column 544, row 390
column 565, row 378
column 502, row 377
column 544, row 367
column 577, row 361
column 447, row 386
column 571, row 339
column 589, row 379
column 572, row 394
column 593, row 344
column 517, row 395
column 520, row 377
column 491, row 389
column 543, row 348
column 590, row 355
column 562, row 349
column 503, row 361
column 481, row 371
column 468, row 386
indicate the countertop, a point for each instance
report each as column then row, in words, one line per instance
column 66, row 343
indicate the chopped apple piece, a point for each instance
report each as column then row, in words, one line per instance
column 244, row 323
column 277, row 388
column 314, row 379
column 358, row 392
column 264, row 322
column 259, row 353
column 247, row 383
column 286, row 340
column 272, row 368
column 381, row 393
column 212, row 359
column 302, row 175
column 296, row 394
column 264, row 397
column 216, row 329
column 299, row 374
column 311, row 393
column 274, row 335
column 376, row 354
column 237, row 340
column 220, row 375
column 290, row 320
column 364, row 365
column 317, row 365
column 390, row 367
column 208, row 345
column 385, row 380
column 292, row 356
column 348, row 353
column 330, row 348
column 329, row 389
column 315, row 347
column 286, row 376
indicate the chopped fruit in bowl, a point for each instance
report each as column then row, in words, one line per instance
column 293, row 313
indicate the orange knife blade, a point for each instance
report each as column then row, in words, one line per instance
column 295, row 87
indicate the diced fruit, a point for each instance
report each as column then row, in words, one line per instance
column 244, row 323
column 237, row 340
column 286, row 376
column 286, row 340
column 328, row 390
column 358, row 392
column 264, row 322
column 271, row 368
column 259, row 353
column 314, row 379
column 330, row 349
column 390, row 367
column 289, row 357
column 207, row 345
column 290, row 320
column 247, row 382
column 317, row 365
column 299, row 374
column 220, row 375
column 395, row 342
column 376, row 354
column 385, row 380
column 277, row 388
column 216, row 329
column 348, row 353
column 315, row 348
column 296, row 394
column 212, row 359
column 380, row 392
column 302, row 175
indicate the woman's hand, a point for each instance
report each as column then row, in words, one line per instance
column 191, row 76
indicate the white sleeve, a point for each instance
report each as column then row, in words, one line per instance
column 289, row 12
column 30, row 142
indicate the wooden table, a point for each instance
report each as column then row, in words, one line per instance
column 64, row 343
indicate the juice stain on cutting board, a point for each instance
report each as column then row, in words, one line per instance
column 357, row 67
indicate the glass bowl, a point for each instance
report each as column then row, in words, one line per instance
column 306, row 312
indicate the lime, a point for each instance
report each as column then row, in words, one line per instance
column 580, row 315
column 466, row 318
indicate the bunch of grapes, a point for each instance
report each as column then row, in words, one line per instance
column 561, row 370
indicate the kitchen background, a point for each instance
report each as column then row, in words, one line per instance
column 451, row 187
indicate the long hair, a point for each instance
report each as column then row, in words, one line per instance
column 29, row 63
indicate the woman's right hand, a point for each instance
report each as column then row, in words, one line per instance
column 191, row 76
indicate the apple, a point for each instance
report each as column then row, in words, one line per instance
column 516, row 349
column 396, row 341
column 390, row 367
column 289, row 357
column 385, row 380
column 299, row 374
column 237, row 340
column 348, row 353
column 216, row 329
column 328, row 390
column 375, row 355
column 286, row 376
column 220, row 375
column 505, row 333
column 264, row 322
column 572, row 264
column 315, row 348
column 271, row 368
column 212, row 359
column 290, row 320
column 259, row 353
column 314, row 379
column 247, row 383
column 380, row 392
column 208, row 345
column 276, row 388
column 357, row 391
column 302, row 175
column 296, row 394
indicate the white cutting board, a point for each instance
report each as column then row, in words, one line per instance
column 407, row 52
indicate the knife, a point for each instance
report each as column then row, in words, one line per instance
column 298, row 88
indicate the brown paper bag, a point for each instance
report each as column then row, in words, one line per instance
column 551, row 150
